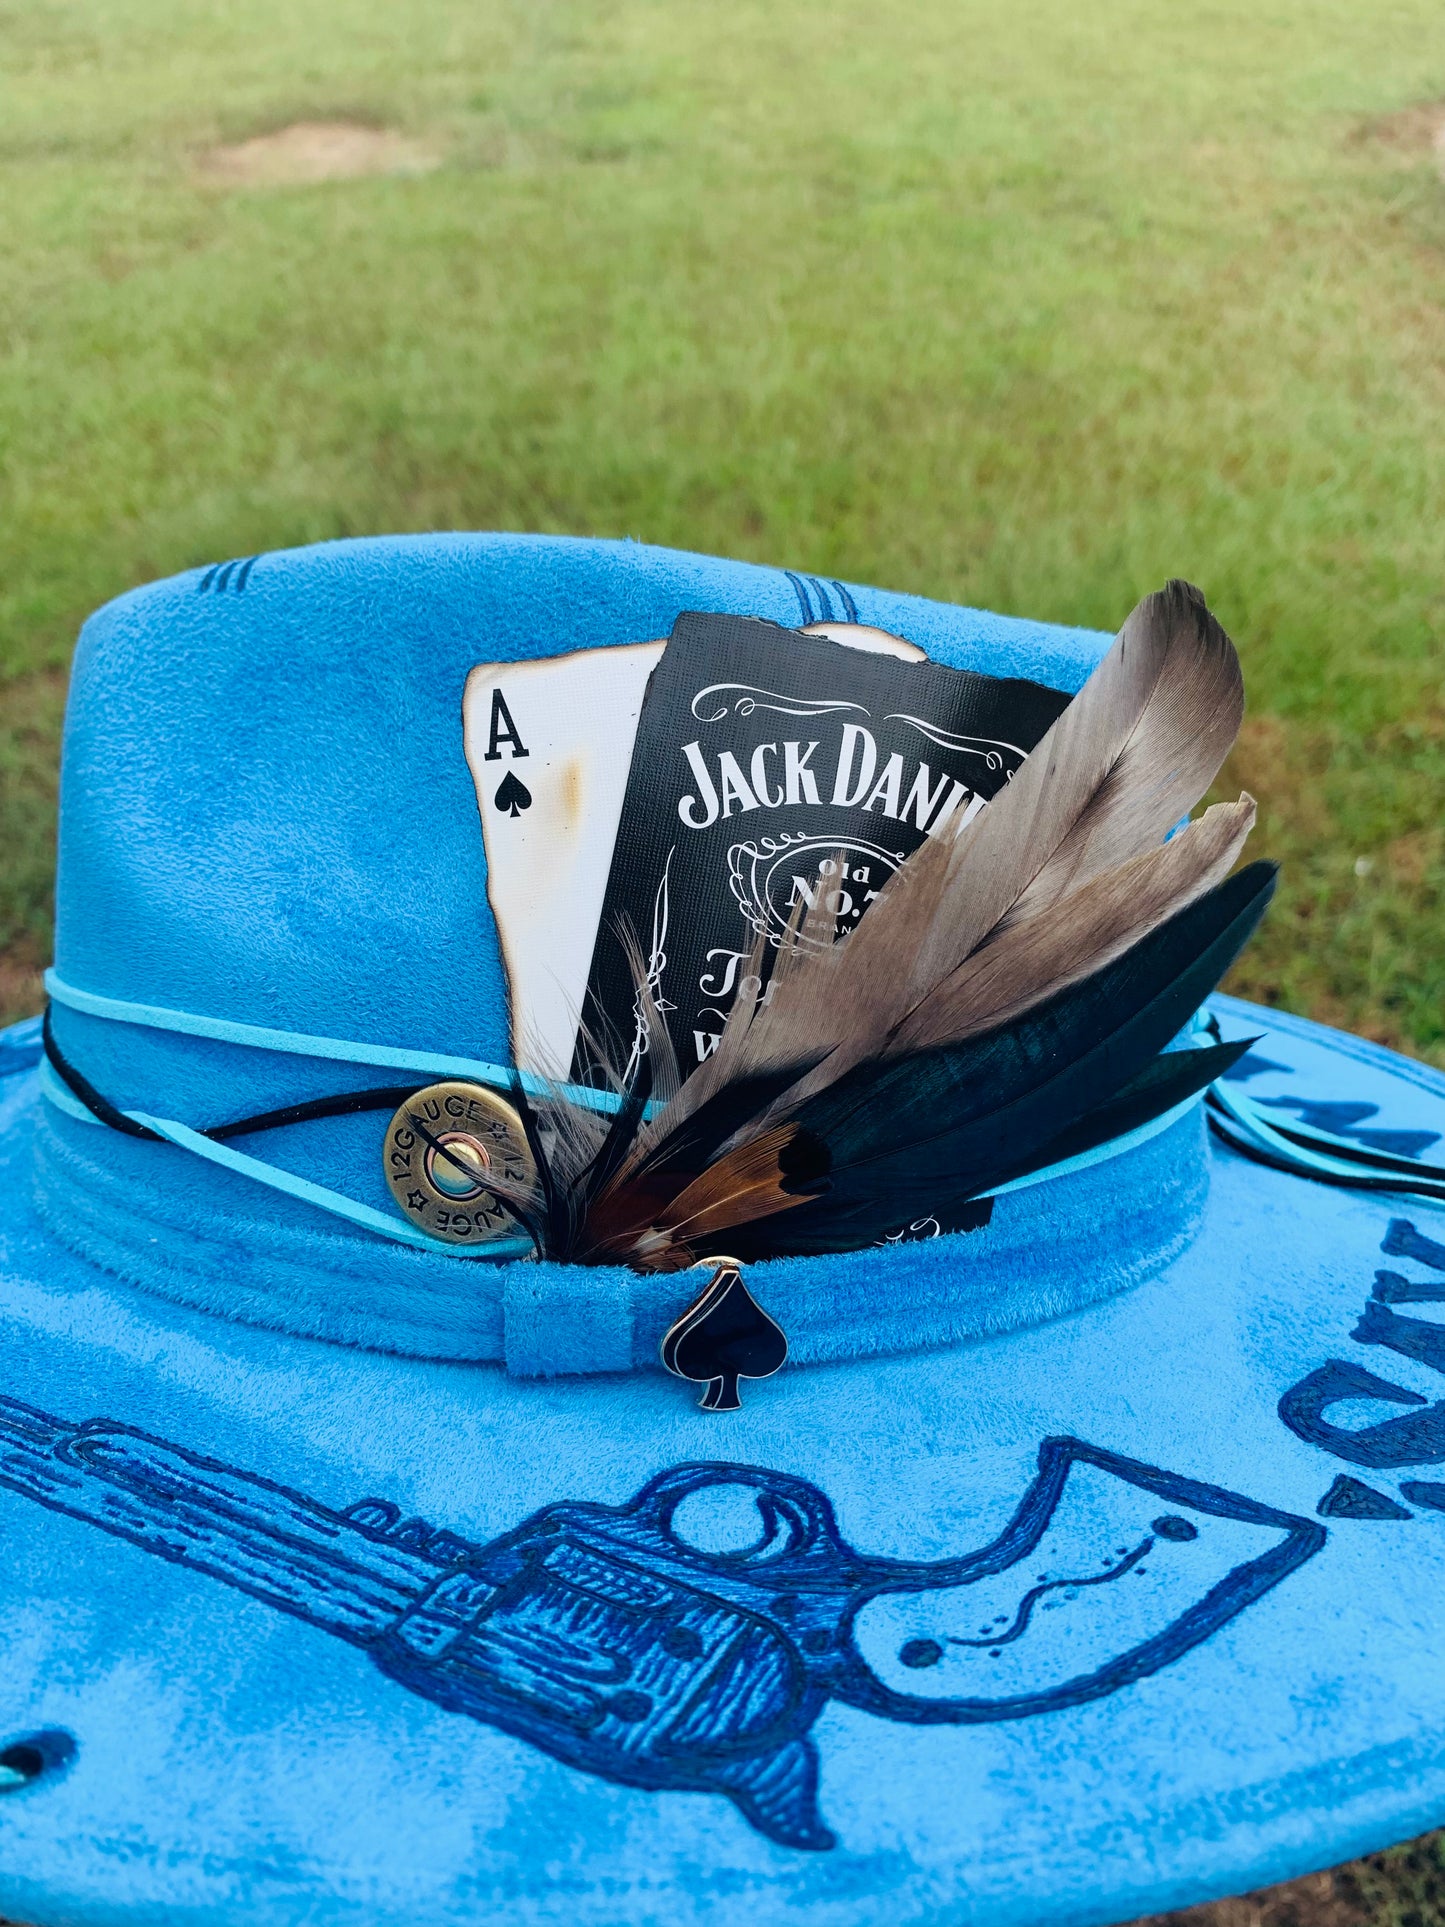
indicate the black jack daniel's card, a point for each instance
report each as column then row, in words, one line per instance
column 769, row 765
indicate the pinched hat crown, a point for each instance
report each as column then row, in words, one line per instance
column 272, row 888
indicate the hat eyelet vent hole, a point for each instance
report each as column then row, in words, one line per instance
column 33, row 1757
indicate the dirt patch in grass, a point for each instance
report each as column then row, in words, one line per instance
column 22, row 989
column 1354, row 824
column 30, row 712
column 1404, row 1887
column 1419, row 129
column 309, row 151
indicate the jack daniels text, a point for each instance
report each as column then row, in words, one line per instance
column 769, row 765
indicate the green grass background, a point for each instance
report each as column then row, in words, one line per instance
column 1030, row 305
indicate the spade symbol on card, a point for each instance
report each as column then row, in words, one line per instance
column 512, row 796
column 724, row 1335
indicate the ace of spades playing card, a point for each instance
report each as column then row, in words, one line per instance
column 550, row 743
column 695, row 792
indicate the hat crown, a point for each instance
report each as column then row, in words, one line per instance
column 267, row 820
column 266, row 810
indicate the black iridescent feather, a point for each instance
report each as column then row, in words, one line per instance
column 928, row 1133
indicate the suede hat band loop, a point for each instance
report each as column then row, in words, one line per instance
column 573, row 1319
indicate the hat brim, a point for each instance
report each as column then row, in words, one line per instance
column 1043, row 1629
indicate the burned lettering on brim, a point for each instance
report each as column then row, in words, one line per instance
column 769, row 765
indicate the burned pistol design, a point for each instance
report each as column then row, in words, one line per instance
column 623, row 1641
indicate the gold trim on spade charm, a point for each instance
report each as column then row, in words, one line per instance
column 440, row 1148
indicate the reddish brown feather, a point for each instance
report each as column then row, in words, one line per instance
column 663, row 1231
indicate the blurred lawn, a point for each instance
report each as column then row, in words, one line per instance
column 1030, row 307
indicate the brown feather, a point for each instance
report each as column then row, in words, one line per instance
column 1157, row 716
column 1185, row 730
column 749, row 1038
column 1028, row 959
column 1133, row 753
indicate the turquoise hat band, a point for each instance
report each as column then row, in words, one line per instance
column 543, row 1347
column 286, row 1182
column 548, row 1320
column 504, row 1248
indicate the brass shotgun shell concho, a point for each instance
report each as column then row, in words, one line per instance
column 442, row 1146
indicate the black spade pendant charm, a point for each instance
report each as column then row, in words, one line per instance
column 724, row 1335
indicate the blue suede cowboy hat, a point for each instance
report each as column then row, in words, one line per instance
column 1087, row 1564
